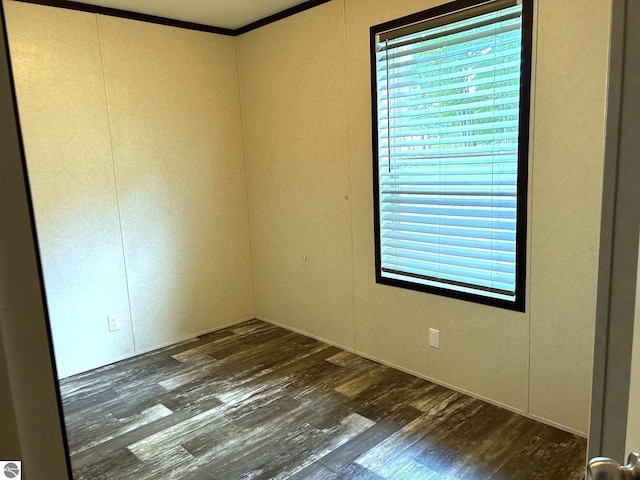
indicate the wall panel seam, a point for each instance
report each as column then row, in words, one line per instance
column 349, row 175
column 115, row 183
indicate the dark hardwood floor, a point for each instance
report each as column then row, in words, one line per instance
column 258, row 401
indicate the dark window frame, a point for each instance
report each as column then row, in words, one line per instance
column 523, row 156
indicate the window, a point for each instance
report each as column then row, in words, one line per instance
column 451, row 89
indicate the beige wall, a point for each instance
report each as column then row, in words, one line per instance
column 175, row 125
column 63, row 114
column 568, row 159
column 305, row 84
column 294, row 111
column 134, row 149
column 176, row 130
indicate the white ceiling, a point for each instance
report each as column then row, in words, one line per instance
column 218, row 13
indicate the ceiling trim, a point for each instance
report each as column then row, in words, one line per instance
column 279, row 16
column 142, row 17
column 115, row 12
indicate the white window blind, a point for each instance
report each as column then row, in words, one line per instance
column 448, row 105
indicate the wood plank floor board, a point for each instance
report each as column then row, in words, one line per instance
column 315, row 471
column 445, row 447
column 501, row 445
column 302, row 453
column 120, row 463
column 170, row 438
column 349, row 451
column 469, row 447
column 92, row 401
column 248, row 449
column 109, row 445
column 353, row 471
column 256, row 401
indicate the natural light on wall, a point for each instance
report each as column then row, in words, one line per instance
column 450, row 155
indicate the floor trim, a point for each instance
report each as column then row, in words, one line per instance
column 430, row 379
column 158, row 347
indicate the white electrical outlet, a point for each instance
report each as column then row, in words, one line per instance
column 434, row 338
column 114, row 323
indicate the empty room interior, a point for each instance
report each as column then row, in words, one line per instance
column 209, row 230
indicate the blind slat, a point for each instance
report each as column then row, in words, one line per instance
column 462, row 228
column 494, row 55
column 480, row 248
column 437, row 267
column 504, row 66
